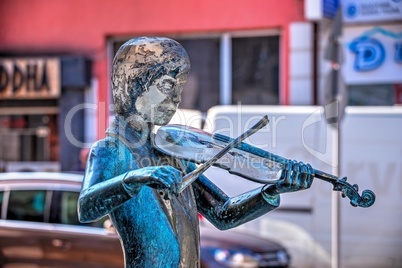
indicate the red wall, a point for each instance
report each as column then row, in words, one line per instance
column 81, row 27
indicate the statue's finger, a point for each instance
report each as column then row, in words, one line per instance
column 304, row 169
column 310, row 170
column 295, row 178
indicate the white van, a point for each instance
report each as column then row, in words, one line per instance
column 371, row 156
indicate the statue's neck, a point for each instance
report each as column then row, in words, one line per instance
column 136, row 123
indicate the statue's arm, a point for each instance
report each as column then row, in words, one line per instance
column 112, row 178
column 228, row 212
column 225, row 212
column 102, row 188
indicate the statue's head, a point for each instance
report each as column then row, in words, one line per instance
column 148, row 76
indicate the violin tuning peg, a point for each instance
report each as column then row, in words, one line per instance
column 353, row 204
column 343, row 194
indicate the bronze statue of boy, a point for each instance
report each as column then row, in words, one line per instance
column 127, row 179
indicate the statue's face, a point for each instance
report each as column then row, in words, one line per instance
column 158, row 104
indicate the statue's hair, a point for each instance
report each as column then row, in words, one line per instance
column 140, row 61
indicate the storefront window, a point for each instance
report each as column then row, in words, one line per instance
column 202, row 88
column 255, row 70
column 376, row 95
column 29, row 138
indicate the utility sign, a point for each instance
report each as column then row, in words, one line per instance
column 372, row 54
column 29, row 78
column 357, row 11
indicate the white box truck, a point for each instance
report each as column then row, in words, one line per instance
column 370, row 156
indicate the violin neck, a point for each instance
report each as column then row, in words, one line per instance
column 251, row 149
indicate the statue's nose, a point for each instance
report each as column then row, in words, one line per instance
column 176, row 98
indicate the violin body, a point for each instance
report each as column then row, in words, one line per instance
column 244, row 160
column 198, row 146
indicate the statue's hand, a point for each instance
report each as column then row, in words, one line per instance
column 165, row 178
column 295, row 176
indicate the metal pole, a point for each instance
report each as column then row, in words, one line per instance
column 225, row 70
column 335, row 211
column 336, row 101
column 335, row 241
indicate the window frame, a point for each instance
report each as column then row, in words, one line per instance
column 41, row 186
column 225, row 57
column 6, row 202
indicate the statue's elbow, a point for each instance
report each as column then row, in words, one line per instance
column 223, row 225
column 83, row 210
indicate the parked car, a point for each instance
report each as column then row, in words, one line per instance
column 39, row 225
column 235, row 249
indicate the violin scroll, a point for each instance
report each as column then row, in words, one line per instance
column 365, row 200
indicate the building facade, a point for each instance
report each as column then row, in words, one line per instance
column 249, row 52
column 370, row 49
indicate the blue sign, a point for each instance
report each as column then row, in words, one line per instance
column 398, row 53
column 371, row 10
column 370, row 53
column 373, row 55
column 329, row 8
column 351, row 10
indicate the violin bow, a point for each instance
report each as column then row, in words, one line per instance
column 193, row 175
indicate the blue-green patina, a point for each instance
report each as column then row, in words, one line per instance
column 138, row 187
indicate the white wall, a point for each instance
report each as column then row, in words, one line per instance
column 300, row 63
column 370, row 157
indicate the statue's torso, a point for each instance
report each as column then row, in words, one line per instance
column 156, row 232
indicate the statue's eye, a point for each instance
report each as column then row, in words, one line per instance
column 167, row 86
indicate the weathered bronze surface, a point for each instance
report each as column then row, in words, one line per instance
column 140, row 188
column 244, row 160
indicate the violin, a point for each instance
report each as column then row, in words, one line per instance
column 239, row 158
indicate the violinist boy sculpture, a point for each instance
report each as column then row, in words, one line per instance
column 138, row 187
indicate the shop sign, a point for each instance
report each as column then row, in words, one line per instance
column 371, row 10
column 372, row 54
column 329, row 8
column 29, row 78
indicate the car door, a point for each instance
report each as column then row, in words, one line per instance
column 22, row 229
column 40, row 226
column 91, row 243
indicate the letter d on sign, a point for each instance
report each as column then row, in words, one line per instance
column 370, row 53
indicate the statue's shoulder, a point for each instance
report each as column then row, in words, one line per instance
column 110, row 156
column 109, row 146
column 106, row 143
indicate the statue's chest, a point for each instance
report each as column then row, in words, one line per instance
column 146, row 156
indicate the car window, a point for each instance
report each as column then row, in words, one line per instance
column 26, row 205
column 1, row 202
column 64, row 209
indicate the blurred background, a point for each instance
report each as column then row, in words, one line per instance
column 289, row 59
